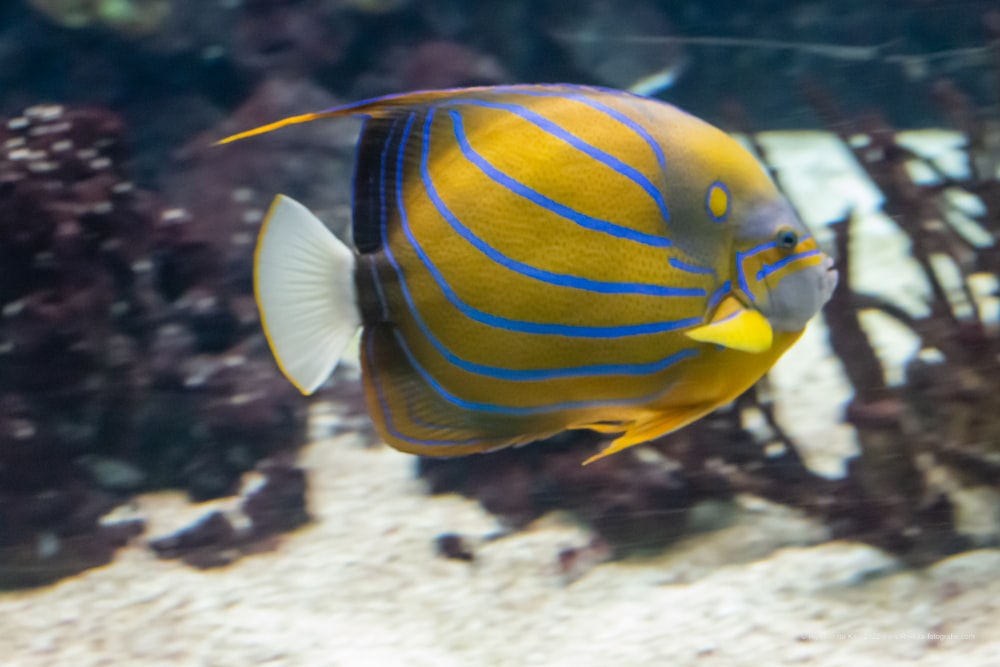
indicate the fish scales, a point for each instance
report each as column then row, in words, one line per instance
column 474, row 342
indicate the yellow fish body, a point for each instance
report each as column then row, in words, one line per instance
column 531, row 259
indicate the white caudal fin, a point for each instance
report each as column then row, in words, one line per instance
column 304, row 284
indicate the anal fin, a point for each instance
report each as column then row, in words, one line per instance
column 413, row 416
column 653, row 427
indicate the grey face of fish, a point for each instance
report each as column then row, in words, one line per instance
column 798, row 296
column 789, row 276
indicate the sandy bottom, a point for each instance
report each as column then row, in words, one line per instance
column 362, row 585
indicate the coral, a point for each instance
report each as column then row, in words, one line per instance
column 926, row 482
column 226, row 190
column 925, row 443
column 130, row 17
column 129, row 358
column 599, row 38
column 70, row 222
column 290, row 36
column 431, row 64
column 376, row 6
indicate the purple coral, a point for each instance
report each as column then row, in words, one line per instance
column 126, row 364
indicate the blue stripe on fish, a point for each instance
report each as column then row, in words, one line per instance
column 536, row 374
column 379, row 291
column 771, row 268
column 561, row 279
column 599, row 106
column 495, row 371
column 691, row 268
column 743, row 256
column 741, row 272
column 576, row 142
column 514, row 410
column 497, row 321
column 387, row 411
column 384, row 221
column 717, row 296
column 384, row 217
column 532, row 195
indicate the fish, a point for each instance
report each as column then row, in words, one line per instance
column 535, row 258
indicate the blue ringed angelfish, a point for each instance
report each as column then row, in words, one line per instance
column 530, row 259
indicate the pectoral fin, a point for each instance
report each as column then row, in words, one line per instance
column 737, row 327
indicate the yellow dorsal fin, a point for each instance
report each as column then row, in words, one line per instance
column 737, row 327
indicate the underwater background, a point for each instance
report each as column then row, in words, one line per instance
column 167, row 497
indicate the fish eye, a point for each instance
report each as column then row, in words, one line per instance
column 786, row 239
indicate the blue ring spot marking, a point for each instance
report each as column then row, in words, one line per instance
column 718, row 188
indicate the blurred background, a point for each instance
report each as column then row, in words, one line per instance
column 131, row 361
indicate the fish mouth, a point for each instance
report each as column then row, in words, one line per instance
column 830, row 277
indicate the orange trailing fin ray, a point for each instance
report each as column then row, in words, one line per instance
column 396, row 106
column 656, row 425
column 603, row 427
column 380, row 107
column 414, row 416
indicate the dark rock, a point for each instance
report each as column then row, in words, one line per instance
column 210, row 542
column 279, row 504
column 450, row 545
column 212, row 530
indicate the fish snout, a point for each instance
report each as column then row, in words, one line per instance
column 830, row 277
column 800, row 295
